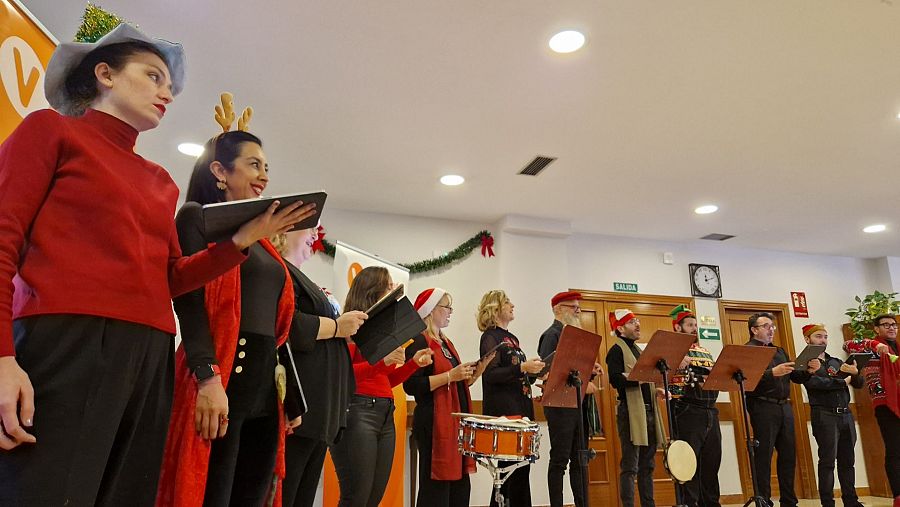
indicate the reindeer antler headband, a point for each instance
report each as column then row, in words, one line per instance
column 225, row 114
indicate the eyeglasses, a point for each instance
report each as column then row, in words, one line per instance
column 449, row 308
column 767, row 327
column 890, row 325
column 575, row 308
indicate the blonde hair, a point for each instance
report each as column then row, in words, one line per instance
column 489, row 309
column 279, row 241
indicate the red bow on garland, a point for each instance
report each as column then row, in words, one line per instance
column 317, row 246
column 487, row 245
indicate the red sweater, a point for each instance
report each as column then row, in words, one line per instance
column 87, row 226
column 378, row 380
column 872, row 371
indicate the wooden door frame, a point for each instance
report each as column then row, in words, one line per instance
column 805, row 464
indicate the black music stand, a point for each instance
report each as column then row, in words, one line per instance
column 574, row 360
column 739, row 368
column 663, row 349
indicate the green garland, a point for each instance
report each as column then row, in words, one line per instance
column 95, row 23
column 457, row 254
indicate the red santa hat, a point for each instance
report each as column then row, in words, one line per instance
column 619, row 317
column 809, row 329
column 427, row 300
column 565, row 296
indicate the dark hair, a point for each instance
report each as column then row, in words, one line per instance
column 368, row 287
column 224, row 148
column 877, row 320
column 81, row 83
column 751, row 322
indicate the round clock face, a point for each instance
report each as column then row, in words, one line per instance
column 706, row 280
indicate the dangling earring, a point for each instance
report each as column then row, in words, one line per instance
column 221, row 185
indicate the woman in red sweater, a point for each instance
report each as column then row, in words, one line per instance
column 363, row 456
column 89, row 262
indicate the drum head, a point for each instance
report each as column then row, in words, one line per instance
column 681, row 462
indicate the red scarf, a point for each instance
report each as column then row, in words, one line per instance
column 446, row 461
column 182, row 481
column 890, row 375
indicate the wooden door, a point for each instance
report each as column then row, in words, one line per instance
column 736, row 332
column 653, row 312
column 869, row 436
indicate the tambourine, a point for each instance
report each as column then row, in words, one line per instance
column 680, row 461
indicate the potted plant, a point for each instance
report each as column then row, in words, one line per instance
column 869, row 307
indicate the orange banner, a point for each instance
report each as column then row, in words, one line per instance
column 393, row 495
column 25, row 49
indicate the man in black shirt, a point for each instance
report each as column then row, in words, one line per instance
column 562, row 423
column 637, row 417
column 771, row 415
column 832, row 423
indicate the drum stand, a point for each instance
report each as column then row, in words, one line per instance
column 500, row 474
column 756, row 499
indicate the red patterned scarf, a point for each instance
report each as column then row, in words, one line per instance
column 447, row 464
column 182, row 481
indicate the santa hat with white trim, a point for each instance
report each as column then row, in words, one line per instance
column 619, row 317
column 427, row 300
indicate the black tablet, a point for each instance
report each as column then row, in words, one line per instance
column 222, row 219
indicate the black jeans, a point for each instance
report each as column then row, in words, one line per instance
column 304, row 458
column 836, row 437
column 889, row 424
column 434, row 493
column 363, row 457
column 562, row 425
column 773, row 427
column 699, row 427
column 103, row 395
column 637, row 460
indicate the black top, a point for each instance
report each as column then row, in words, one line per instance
column 827, row 387
column 615, row 364
column 770, row 386
column 550, row 339
column 324, row 366
column 419, row 387
column 262, row 280
column 506, row 389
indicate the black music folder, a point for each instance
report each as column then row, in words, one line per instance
column 222, row 219
column 388, row 329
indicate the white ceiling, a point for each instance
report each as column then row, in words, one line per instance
column 784, row 113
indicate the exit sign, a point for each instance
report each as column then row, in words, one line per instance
column 710, row 333
column 625, row 287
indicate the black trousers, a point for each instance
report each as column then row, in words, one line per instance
column 889, row 424
column 434, row 493
column 242, row 464
column 773, row 427
column 103, row 395
column 835, row 435
column 365, row 453
column 699, row 427
column 638, row 461
column 517, row 488
column 562, row 425
column 304, row 458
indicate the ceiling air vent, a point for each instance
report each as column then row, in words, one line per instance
column 717, row 237
column 537, row 165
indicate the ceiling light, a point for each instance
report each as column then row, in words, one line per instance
column 875, row 228
column 191, row 149
column 706, row 210
column 452, row 180
column 567, row 41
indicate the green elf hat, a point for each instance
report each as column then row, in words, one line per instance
column 680, row 313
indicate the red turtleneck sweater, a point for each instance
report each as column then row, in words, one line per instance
column 87, row 226
column 377, row 381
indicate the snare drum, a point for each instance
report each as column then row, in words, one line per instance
column 500, row 438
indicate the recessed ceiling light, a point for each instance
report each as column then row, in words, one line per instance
column 452, row 180
column 567, row 41
column 875, row 228
column 191, row 149
column 706, row 210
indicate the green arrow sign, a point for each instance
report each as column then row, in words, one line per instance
column 708, row 333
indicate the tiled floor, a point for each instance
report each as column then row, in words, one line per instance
column 869, row 501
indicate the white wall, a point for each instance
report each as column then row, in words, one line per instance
column 537, row 258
